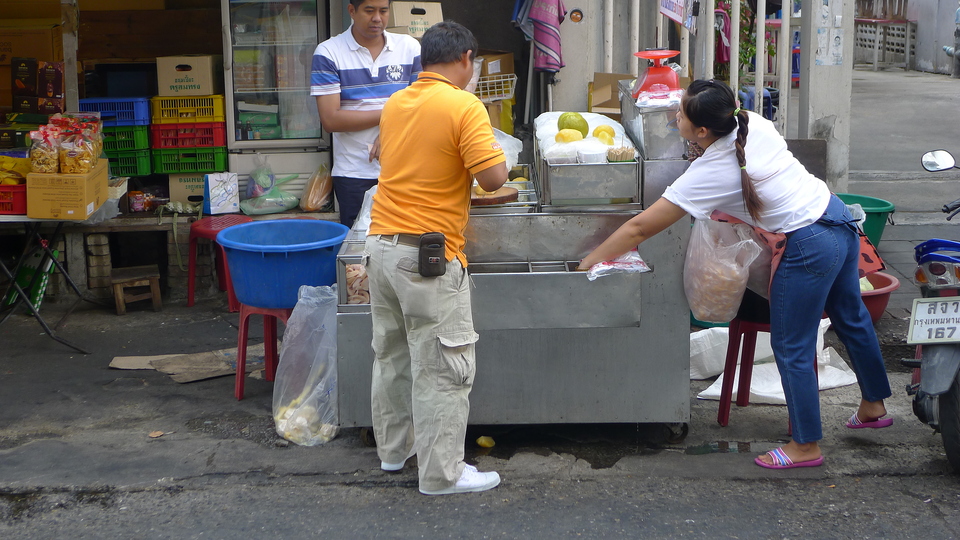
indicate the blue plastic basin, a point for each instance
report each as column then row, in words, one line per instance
column 269, row 260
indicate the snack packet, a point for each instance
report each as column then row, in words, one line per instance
column 45, row 150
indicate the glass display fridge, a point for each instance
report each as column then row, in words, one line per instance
column 268, row 49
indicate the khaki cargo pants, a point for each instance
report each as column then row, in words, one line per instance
column 423, row 343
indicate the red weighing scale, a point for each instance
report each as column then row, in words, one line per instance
column 658, row 73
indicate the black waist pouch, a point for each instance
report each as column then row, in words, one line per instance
column 432, row 259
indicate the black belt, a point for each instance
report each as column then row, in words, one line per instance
column 411, row 240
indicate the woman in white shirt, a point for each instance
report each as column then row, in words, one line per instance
column 747, row 172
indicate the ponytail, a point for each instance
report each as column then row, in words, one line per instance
column 751, row 200
column 712, row 104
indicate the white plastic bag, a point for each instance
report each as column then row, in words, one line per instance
column 305, row 389
column 765, row 386
column 628, row 263
column 511, row 147
column 716, row 269
column 362, row 223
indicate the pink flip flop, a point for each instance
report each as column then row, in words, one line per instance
column 781, row 461
column 856, row 423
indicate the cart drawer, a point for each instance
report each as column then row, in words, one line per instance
column 591, row 182
column 550, row 295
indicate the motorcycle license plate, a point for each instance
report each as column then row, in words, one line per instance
column 934, row 320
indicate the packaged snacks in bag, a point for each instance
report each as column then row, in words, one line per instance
column 45, row 150
column 317, row 193
column 77, row 154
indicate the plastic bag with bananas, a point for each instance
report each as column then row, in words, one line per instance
column 305, row 409
column 14, row 167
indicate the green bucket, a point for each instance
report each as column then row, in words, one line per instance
column 877, row 211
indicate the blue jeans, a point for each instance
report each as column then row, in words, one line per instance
column 819, row 272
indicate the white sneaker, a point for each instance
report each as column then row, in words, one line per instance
column 392, row 467
column 471, row 480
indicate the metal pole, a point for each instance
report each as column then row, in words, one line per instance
column 706, row 30
column 735, row 45
column 760, row 60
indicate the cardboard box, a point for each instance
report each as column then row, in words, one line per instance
column 15, row 135
column 415, row 16
column 118, row 5
column 494, row 111
column 43, row 42
column 23, row 76
column 604, row 94
column 30, row 77
column 38, row 105
column 190, row 75
column 495, row 62
column 186, row 188
column 50, row 79
column 29, row 9
column 71, row 197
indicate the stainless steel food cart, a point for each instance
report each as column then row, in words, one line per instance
column 555, row 347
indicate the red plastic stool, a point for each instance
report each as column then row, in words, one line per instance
column 270, row 316
column 208, row 228
column 745, row 331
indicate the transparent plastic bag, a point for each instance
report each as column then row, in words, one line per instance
column 275, row 200
column 716, row 269
column 362, row 223
column 511, row 147
column 317, row 193
column 305, row 408
column 628, row 263
column 262, row 179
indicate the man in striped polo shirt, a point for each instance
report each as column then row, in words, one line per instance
column 353, row 75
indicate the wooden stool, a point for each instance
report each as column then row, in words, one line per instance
column 139, row 277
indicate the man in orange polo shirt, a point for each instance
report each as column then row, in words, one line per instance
column 433, row 136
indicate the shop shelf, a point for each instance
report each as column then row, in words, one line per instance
column 135, row 163
column 179, row 110
column 125, row 138
column 119, row 111
column 188, row 160
column 13, row 199
column 196, row 135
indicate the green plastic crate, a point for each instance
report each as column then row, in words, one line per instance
column 125, row 139
column 135, row 163
column 189, row 160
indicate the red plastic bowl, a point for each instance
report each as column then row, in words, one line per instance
column 876, row 300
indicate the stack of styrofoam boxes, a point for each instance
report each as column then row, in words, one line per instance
column 188, row 136
column 126, row 135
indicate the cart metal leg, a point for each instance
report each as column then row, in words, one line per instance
column 33, row 235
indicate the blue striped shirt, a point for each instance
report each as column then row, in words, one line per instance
column 342, row 66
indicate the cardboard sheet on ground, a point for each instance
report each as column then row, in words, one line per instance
column 708, row 350
column 184, row 368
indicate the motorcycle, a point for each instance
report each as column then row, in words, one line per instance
column 935, row 328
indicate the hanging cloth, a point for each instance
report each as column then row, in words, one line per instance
column 547, row 16
column 521, row 18
column 722, row 23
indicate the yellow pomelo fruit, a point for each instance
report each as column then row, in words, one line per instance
column 573, row 120
column 568, row 135
column 604, row 128
column 606, row 138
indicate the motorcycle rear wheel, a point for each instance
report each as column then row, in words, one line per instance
column 950, row 423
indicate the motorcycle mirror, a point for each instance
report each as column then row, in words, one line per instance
column 938, row 160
